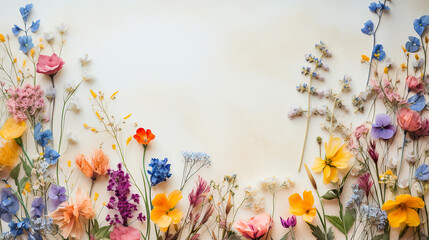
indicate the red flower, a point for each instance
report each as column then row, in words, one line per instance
column 49, row 65
column 409, row 120
column 144, row 136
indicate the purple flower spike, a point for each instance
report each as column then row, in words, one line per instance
column 289, row 222
column 383, row 127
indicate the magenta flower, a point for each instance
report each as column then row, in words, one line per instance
column 289, row 222
column 365, row 183
column 199, row 193
column 372, row 151
column 383, row 127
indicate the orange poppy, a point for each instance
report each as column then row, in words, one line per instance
column 99, row 164
column 144, row 136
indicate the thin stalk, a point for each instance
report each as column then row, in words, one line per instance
column 402, row 154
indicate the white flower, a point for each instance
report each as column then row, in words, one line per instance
column 74, row 104
column 50, row 93
column 388, row 62
column 258, row 203
column 49, row 36
column 356, row 170
column 62, row 28
column 288, row 183
column 418, row 63
column 320, row 110
column 86, row 75
column 393, row 162
column 271, row 184
column 71, row 137
column 294, row 111
column 411, row 158
column 250, row 192
column 403, row 183
column 363, row 95
column 84, row 61
column 326, row 92
column 69, row 86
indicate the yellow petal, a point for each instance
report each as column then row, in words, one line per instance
column 413, row 219
column 129, row 140
column 318, row 165
column 113, row 95
column 296, row 211
column 173, row 198
column 332, row 146
column 12, row 129
column 390, row 204
column 156, row 214
column 308, row 198
column 160, row 201
column 295, row 201
column 176, row 215
column 309, row 216
column 126, row 117
column 414, row 202
column 397, row 217
column 164, row 221
column 334, row 176
column 94, row 95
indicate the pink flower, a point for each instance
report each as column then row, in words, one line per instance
column 199, row 193
column 409, row 120
column 49, row 65
column 25, row 101
column 125, row 233
column 360, row 131
column 255, row 227
column 414, row 83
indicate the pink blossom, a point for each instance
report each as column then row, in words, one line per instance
column 255, row 227
column 199, row 193
column 49, row 65
column 415, row 84
column 360, row 131
column 125, row 233
column 25, row 101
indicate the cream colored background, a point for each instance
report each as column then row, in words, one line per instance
column 214, row 76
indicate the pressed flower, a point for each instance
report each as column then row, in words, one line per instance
column 414, row 84
column 422, row 172
column 42, row 138
column 336, row 157
column 303, row 206
column 9, row 153
column 99, row 164
column 49, row 65
column 129, row 140
column 125, row 233
column 70, row 216
column 289, row 222
column 383, row 127
column 144, row 136
column 113, row 95
column 404, row 210
column 409, row 120
column 12, row 129
column 94, row 95
column 365, row 58
column 165, row 212
column 2, row 39
column 254, row 228
column 126, row 117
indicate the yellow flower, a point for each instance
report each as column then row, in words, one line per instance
column 32, row 52
column 365, row 58
column 417, row 56
column 9, row 153
column 96, row 195
column 8, row 185
column 336, row 157
column 104, row 204
column 85, row 125
column 98, row 115
column 164, row 212
column 403, row 66
column 303, row 206
column 129, row 140
column 404, row 210
column 69, row 163
column 27, row 187
column 113, row 95
column 113, row 146
column 12, row 129
column 94, row 95
column 126, row 117
column 2, row 39
column 386, row 70
column 403, row 49
column 41, row 46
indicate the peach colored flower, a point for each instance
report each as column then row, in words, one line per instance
column 409, row 120
column 12, row 129
column 125, row 233
column 70, row 216
column 49, row 65
column 415, row 84
column 254, row 228
column 99, row 164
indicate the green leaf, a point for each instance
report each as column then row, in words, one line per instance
column 95, row 227
column 349, row 220
column 344, row 181
column 285, row 237
column 336, row 221
column 102, row 232
column 22, row 183
column 27, row 169
column 330, row 234
column 331, row 194
column 316, row 231
column 15, row 172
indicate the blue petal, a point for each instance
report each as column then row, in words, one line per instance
column 35, row 26
column 425, row 20
column 418, row 26
column 373, row 7
column 368, row 27
column 417, row 102
column 16, row 30
column 413, row 45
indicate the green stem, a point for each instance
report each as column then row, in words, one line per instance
column 402, row 154
column 324, row 215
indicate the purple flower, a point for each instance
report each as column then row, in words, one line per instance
column 199, row 193
column 141, row 217
column 289, row 222
column 37, row 207
column 9, row 201
column 422, row 172
column 122, row 202
column 57, row 195
column 383, row 127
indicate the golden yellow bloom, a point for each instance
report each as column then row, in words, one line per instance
column 417, row 56
column 32, row 52
column 303, row 206
column 113, row 146
column 126, row 117
column 41, row 46
column 113, row 95
column 27, row 187
column 85, row 125
column 403, row 66
column 104, row 204
column 94, row 95
column 9, row 153
column 2, row 39
column 98, row 115
column 404, row 210
column 12, row 129
column 165, row 212
column 14, row 60
column 336, row 157
column 386, row 70
column 8, row 185
column 93, row 129
column 96, row 195
column 403, row 49
column 129, row 140
column 68, row 163
column 365, row 58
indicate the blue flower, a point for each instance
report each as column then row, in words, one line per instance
column 378, row 52
column 417, row 102
column 26, row 43
column 25, row 11
column 9, row 200
column 35, row 26
column 420, row 24
column 413, row 45
column 368, row 27
column 51, row 156
column 16, row 30
column 37, row 207
column 5, row 215
column 35, row 236
column 160, row 171
column 57, row 195
column 422, row 172
column 374, row 7
column 17, row 229
column 382, row 6
column 42, row 138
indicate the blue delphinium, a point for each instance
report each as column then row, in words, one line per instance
column 420, row 24
column 160, row 171
column 25, row 43
column 378, row 52
column 17, row 229
column 42, row 138
column 422, row 172
column 37, row 207
column 35, row 26
column 25, row 11
column 9, row 200
column 417, row 102
column 413, row 45
column 51, row 156
column 368, row 27
column 16, row 30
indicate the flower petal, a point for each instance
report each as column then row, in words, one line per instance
column 413, row 219
column 173, row 198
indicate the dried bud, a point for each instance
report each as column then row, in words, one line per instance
column 310, row 176
column 228, row 205
column 207, row 214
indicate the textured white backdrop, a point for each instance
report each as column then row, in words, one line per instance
column 214, row 76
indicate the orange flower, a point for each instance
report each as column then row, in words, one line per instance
column 71, row 216
column 9, row 153
column 164, row 212
column 404, row 212
column 12, row 129
column 144, row 136
column 99, row 164
column 303, row 206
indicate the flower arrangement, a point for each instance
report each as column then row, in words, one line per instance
column 39, row 199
